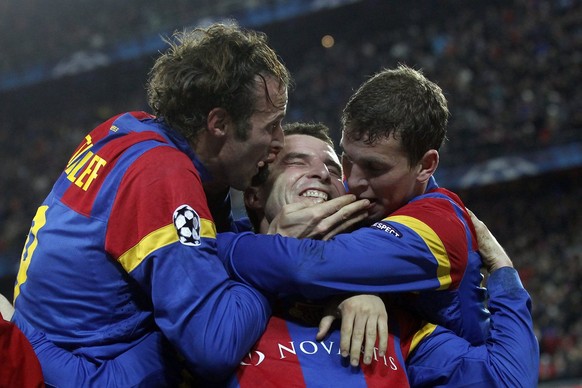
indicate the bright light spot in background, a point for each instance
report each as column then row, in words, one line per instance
column 327, row 41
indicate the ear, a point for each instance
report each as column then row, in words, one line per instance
column 253, row 198
column 218, row 121
column 427, row 165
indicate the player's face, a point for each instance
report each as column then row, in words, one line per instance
column 265, row 136
column 306, row 169
column 381, row 173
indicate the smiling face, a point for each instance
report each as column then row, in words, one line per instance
column 381, row 172
column 306, row 169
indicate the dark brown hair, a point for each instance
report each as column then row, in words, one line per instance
column 398, row 102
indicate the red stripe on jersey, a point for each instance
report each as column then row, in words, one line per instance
column 466, row 215
column 140, row 115
column 80, row 197
column 103, row 129
column 153, row 187
column 407, row 325
column 270, row 366
column 20, row 366
column 439, row 214
column 392, row 373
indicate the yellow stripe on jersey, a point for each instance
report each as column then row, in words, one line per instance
column 158, row 239
column 424, row 332
column 38, row 222
column 433, row 242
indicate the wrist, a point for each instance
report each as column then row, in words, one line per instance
column 500, row 263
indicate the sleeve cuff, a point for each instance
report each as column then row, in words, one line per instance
column 505, row 281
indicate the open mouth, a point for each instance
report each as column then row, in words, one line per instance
column 311, row 193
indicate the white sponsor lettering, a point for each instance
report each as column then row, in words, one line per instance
column 311, row 348
column 290, row 350
column 249, row 360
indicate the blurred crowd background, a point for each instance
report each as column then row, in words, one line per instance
column 511, row 70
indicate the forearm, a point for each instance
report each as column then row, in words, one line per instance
column 212, row 320
column 59, row 366
column 144, row 364
column 315, row 269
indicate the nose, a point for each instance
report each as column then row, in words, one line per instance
column 277, row 144
column 355, row 179
column 319, row 170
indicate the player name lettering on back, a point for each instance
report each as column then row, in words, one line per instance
column 91, row 162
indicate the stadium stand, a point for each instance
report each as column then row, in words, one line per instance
column 510, row 69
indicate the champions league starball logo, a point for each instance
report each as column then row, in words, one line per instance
column 187, row 223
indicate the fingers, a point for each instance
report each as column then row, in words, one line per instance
column 305, row 219
column 324, row 326
column 492, row 253
column 361, row 332
column 382, row 328
column 6, row 308
column 344, row 218
column 364, row 319
column 346, row 333
column 346, row 225
column 358, row 332
column 370, row 343
column 328, row 208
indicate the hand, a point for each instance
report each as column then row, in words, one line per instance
column 364, row 318
column 492, row 253
column 6, row 308
column 323, row 220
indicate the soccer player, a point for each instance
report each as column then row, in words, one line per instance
column 306, row 171
column 288, row 354
column 120, row 261
column 419, row 237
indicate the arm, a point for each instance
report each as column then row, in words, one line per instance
column 365, row 261
column 161, row 284
column 510, row 355
column 424, row 248
column 143, row 365
column 212, row 320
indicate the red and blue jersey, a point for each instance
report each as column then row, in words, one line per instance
column 428, row 248
column 288, row 355
column 124, row 248
column 419, row 354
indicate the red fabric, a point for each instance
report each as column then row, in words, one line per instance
column 19, row 366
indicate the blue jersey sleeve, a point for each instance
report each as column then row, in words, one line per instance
column 212, row 320
column 509, row 357
column 143, row 365
column 368, row 260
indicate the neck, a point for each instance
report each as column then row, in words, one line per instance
column 207, row 151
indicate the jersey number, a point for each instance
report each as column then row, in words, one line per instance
column 29, row 248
